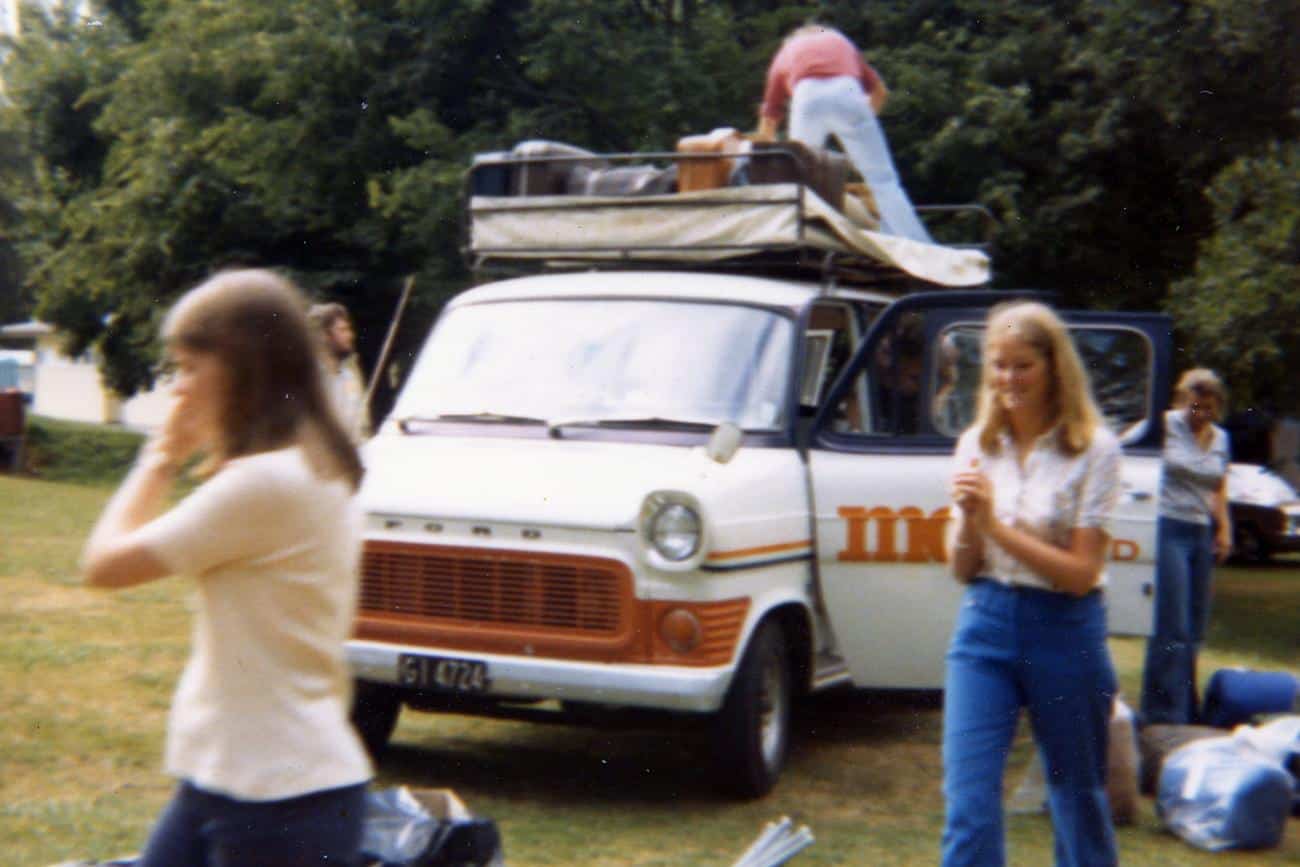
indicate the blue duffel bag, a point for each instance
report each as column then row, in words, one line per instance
column 1238, row 695
column 1222, row 793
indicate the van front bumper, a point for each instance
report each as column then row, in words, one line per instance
column 662, row 687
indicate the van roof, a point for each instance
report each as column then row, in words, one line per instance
column 668, row 285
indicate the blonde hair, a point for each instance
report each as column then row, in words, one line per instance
column 1204, row 380
column 1069, row 392
column 254, row 322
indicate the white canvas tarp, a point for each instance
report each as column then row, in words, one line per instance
column 702, row 226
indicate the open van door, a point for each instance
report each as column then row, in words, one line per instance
column 879, row 456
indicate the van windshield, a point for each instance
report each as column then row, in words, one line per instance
column 594, row 360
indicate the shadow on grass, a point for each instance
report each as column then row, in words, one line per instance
column 667, row 762
column 566, row 764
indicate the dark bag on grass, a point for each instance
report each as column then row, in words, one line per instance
column 426, row 828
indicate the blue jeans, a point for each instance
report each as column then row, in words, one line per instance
column 1017, row 647
column 202, row 829
column 1184, row 561
column 822, row 107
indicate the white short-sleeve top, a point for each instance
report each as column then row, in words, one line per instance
column 261, row 710
column 1190, row 476
column 1048, row 495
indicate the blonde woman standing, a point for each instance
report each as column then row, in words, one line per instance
column 1192, row 532
column 270, row 770
column 1036, row 478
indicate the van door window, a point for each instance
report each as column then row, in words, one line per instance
column 956, row 380
column 1118, row 361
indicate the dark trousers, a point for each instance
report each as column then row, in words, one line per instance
column 1184, row 562
column 202, row 829
column 1016, row 647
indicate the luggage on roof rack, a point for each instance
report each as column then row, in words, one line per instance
column 547, row 204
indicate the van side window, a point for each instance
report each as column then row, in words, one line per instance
column 833, row 334
column 885, row 397
column 1118, row 361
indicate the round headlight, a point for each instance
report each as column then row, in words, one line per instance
column 675, row 532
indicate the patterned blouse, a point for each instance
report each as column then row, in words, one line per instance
column 1049, row 495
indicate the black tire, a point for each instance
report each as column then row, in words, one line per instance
column 751, row 733
column 375, row 708
column 1247, row 545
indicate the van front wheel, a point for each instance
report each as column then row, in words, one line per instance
column 752, row 730
column 374, row 714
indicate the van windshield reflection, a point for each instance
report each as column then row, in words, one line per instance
column 590, row 361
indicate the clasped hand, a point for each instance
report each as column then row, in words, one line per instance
column 973, row 493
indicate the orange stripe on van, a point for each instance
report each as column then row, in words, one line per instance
column 762, row 549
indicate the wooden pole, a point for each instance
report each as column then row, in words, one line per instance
column 388, row 338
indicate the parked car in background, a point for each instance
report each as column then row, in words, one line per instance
column 1265, row 513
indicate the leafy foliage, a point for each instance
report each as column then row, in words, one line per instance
column 1246, row 276
column 330, row 137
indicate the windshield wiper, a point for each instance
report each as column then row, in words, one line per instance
column 652, row 421
column 473, row 417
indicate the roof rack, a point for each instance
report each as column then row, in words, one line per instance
column 778, row 229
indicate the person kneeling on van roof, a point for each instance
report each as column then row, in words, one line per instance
column 831, row 90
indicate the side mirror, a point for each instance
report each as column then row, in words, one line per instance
column 724, row 442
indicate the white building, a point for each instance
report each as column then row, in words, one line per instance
column 9, row 17
column 11, row 21
column 68, row 388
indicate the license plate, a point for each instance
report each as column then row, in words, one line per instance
column 442, row 673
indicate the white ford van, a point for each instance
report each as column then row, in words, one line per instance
column 692, row 486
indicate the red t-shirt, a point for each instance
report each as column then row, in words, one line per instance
column 825, row 54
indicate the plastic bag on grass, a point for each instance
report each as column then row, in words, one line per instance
column 426, row 828
column 1222, row 793
column 1279, row 739
column 1158, row 741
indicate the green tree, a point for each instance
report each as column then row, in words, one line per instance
column 1090, row 127
column 1239, row 310
column 51, row 155
column 239, row 133
column 330, row 137
column 15, row 300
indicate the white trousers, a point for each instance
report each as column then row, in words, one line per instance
column 824, row 107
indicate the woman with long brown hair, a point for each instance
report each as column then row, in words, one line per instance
column 270, row 769
column 1037, row 476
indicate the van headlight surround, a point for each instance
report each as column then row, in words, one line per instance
column 672, row 530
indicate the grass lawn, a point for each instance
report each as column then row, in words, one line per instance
column 85, row 680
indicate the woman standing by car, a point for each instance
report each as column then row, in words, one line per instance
column 1192, row 531
column 1037, row 476
column 270, row 769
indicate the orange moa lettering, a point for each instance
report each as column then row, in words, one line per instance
column 924, row 534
